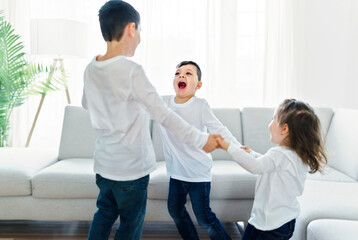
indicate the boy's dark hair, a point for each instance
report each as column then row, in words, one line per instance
column 114, row 16
column 304, row 133
column 198, row 71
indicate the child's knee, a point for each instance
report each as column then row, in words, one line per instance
column 173, row 211
column 205, row 218
column 107, row 214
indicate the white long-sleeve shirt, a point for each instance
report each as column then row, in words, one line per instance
column 183, row 161
column 117, row 95
column 281, row 178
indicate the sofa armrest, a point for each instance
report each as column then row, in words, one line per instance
column 19, row 165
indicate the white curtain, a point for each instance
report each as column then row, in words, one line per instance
column 279, row 71
column 226, row 38
column 252, row 52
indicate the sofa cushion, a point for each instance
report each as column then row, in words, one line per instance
column 256, row 133
column 18, row 165
column 230, row 117
column 255, row 129
column 70, row 178
column 333, row 229
column 341, row 142
column 330, row 174
column 325, row 116
column 78, row 136
column 326, row 200
column 229, row 181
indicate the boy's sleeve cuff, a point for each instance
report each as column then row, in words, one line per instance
column 205, row 140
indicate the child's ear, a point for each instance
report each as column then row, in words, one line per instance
column 284, row 129
column 131, row 29
column 199, row 85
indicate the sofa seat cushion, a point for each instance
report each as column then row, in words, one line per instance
column 326, row 200
column 229, row 181
column 69, row 178
column 18, row 165
column 333, row 229
column 330, row 174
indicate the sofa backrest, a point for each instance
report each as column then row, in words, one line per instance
column 341, row 142
column 249, row 126
column 230, row 117
column 255, row 130
column 78, row 136
column 325, row 116
column 256, row 133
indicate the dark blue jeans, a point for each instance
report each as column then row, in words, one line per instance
column 199, row 193
column 282, row 233
column 126, row 199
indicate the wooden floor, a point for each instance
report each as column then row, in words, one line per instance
column 26, row 230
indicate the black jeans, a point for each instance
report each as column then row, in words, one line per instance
column 284, row 232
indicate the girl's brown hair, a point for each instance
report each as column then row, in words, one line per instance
column 304, row 133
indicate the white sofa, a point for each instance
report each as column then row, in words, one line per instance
column 40, row 184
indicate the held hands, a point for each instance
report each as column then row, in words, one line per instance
column 212, row 143
column 216, row 141
column 223, row 144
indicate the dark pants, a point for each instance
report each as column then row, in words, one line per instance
column 199, row 193
column 126, row 199
column 284, row 232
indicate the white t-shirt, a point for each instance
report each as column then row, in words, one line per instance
column 281, row 178
column 183, row 161
column 117, row 95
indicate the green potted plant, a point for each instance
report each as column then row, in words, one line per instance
column 19, row 78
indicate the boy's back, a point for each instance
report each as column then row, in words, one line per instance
column 121, row 124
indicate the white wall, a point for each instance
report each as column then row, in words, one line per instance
column 327, row 52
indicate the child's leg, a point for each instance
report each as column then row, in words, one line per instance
column 125, row 198
column 107, row 212
column 200, row 199
column 131, row 197
column 284, row 232
column 176, row 207
column 250, row 233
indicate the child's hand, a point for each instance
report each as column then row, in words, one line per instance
column 223, row 144
column 211, row 144
column 246, row 148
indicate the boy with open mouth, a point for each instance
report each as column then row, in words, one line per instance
column 189, row 168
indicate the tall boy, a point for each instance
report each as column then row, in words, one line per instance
column 117, row 95
column 190, row 168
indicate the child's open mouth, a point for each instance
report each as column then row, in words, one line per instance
column 181, row 85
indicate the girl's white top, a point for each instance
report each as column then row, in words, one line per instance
column 183, row 161
column 281, row 178
column 118, row 97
